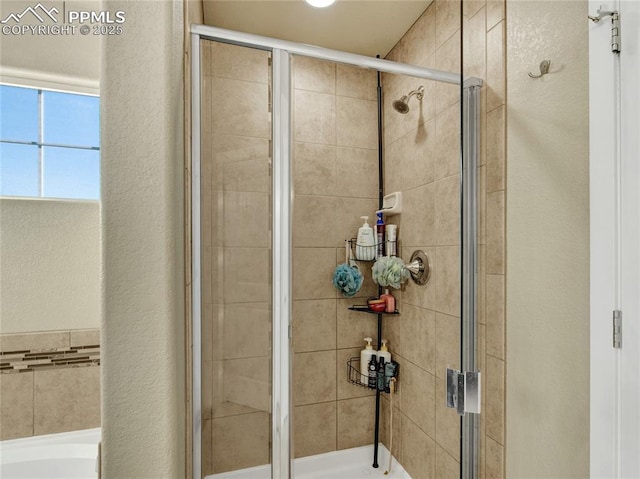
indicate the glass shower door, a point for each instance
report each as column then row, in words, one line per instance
column 326, row 142
column 236, row 257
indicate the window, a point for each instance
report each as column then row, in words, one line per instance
column 49, row 144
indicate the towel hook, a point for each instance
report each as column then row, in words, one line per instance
column 544, row 69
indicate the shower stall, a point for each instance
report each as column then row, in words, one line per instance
column 291, row 145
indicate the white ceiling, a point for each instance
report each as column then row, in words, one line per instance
column 368, row 27
column 50, row 61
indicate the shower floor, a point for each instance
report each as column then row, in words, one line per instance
column 346, row 464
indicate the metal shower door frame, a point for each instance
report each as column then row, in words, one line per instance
column 282, row 207
column 470, row 427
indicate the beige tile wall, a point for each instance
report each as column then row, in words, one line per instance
column 16, row 405
column 236, row 203
column 51, row 399
column 335, row 182
column 422, row 159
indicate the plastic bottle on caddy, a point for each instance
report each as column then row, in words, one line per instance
column 384, row 352
column 365, row 242
column 389, row 301
column 391, row 232
column 390, row 371
column 388, row 368
column 365, row 358
column 372, row 380
column 380, row 227
column 381, row 380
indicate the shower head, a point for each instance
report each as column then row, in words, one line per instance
column 402, row 105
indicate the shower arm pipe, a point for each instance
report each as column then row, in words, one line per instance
column 419, row 92
column 387, row 66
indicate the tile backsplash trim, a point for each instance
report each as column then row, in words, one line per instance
column 49, row 350
column 17, row 361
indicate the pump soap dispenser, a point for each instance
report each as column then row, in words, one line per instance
column 365, row 242
column 384, row 352
column 365, row 357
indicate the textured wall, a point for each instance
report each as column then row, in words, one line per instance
column 548, row 238
column 142, row 184
column 50, row 256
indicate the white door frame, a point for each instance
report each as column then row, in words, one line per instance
column 615, row 242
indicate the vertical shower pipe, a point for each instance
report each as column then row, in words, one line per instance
column 376, row 434
column 469, row 158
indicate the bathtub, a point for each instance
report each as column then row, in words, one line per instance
column 72, row 455
column 68, row 455
column 352, row 463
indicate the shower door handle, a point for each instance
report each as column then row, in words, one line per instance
column 463, row 391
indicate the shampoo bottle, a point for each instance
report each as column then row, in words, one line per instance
column 365, row 359
column 380, row 237
column 392, row 240
column 372, row 380
column 381, row 377
column 384, row 352
column 365, row 242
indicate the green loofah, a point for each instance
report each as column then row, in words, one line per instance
column 390, row 272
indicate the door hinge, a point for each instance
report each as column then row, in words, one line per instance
column 615, row 32
column 617, row 329
column 604, row 12
column 463, row 391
